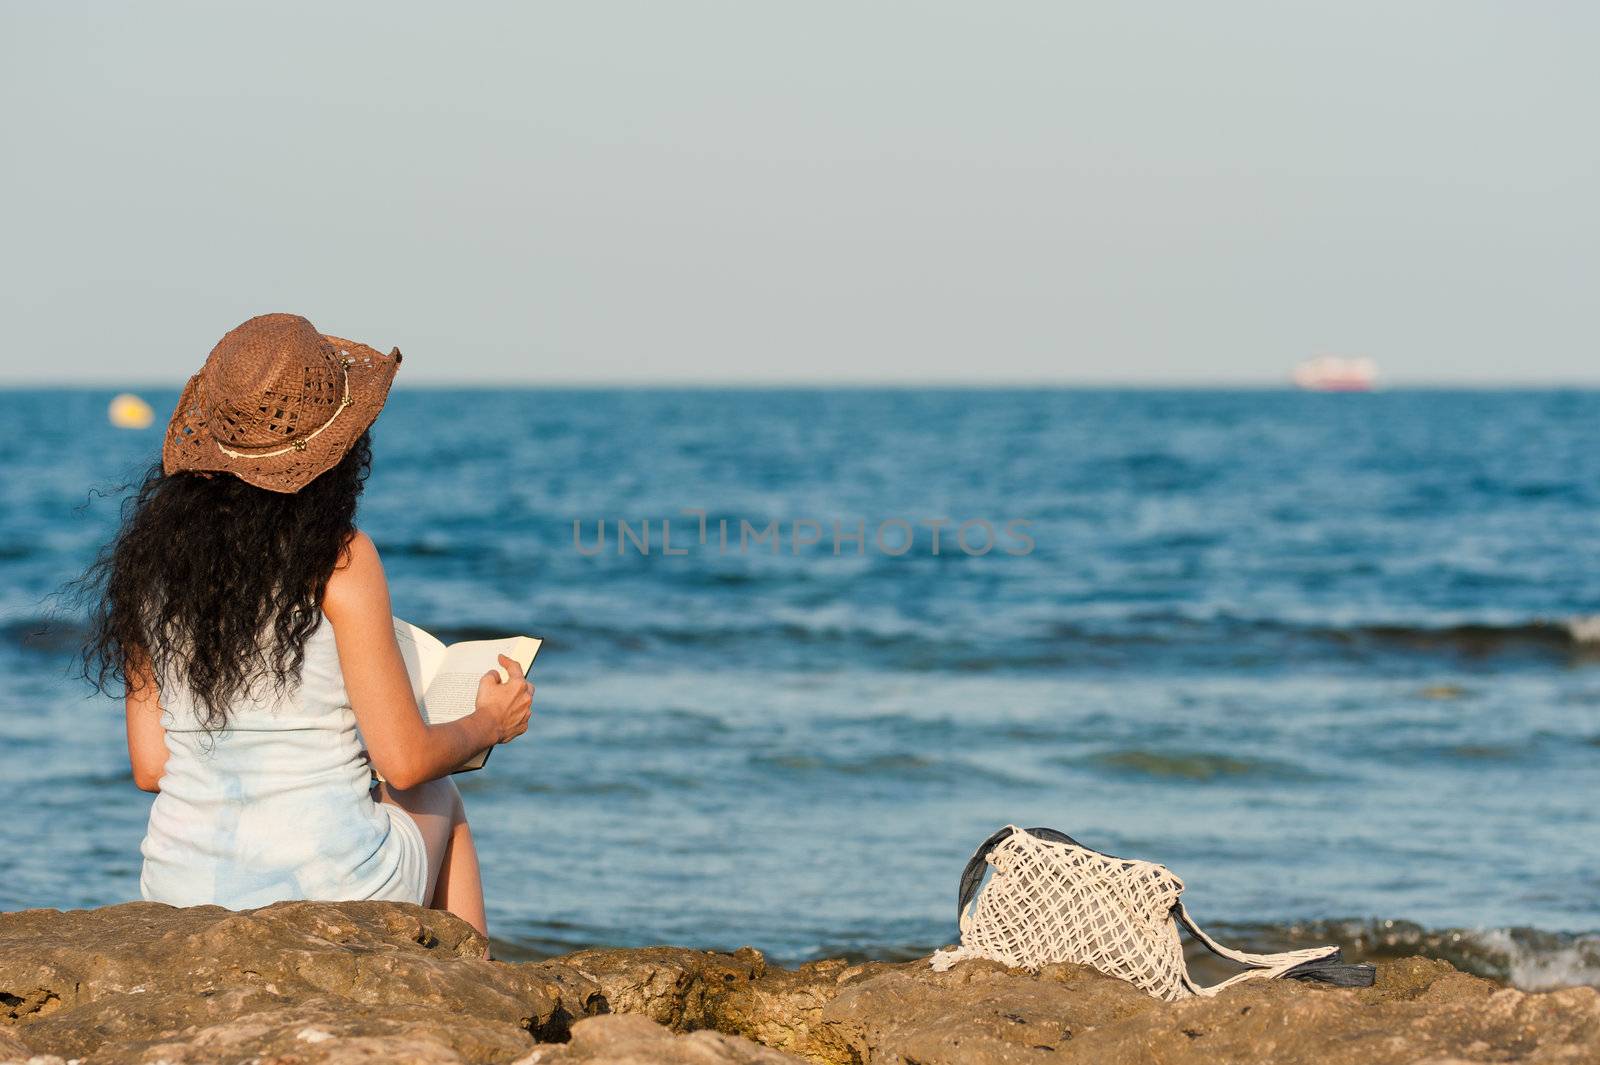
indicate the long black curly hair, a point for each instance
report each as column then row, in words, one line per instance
column 201, row 565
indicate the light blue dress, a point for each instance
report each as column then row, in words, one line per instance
column 276, row 806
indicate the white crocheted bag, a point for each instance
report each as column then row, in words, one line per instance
column 1051, row 899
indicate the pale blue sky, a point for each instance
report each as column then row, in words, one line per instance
column 813, row 192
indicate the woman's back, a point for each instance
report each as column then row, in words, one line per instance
column 276, row 804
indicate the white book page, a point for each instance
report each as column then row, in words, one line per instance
column 423, row 654
column 452, row 690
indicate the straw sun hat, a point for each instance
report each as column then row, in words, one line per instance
column 277, row 403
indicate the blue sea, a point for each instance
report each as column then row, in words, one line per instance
column 1335, row 659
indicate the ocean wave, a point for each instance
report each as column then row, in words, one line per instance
column 44, row 635
column 1063, row 642
column 425, row 548
column 1584, row 629
column 1194, row 766
column 1556, row 633
column 895, row 767
column 1526, row 958
column 1578, row 632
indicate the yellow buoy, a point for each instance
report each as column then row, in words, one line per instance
column 128, row 411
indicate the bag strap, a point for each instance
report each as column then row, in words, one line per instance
column 1322, row 965
column 972, row 875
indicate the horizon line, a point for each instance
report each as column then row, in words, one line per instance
column 1421, row 384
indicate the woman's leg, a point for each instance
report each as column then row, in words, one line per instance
column 459, row 887
column 453, row 881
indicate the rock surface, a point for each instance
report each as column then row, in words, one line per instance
column 319, row 983
column 628, row 1039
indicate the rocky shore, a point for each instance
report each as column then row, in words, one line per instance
column 312, row 983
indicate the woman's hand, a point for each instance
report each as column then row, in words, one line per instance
column 507, row 703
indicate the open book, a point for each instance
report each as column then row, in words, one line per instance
column 445, row 679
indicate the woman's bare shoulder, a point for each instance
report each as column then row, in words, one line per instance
column 357, row 582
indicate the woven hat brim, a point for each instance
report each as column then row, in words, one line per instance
column 190, row 445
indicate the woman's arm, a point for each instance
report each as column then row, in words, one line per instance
column 147, row 740
column 403, row 747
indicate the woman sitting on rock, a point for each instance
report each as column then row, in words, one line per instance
column 246, row 622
